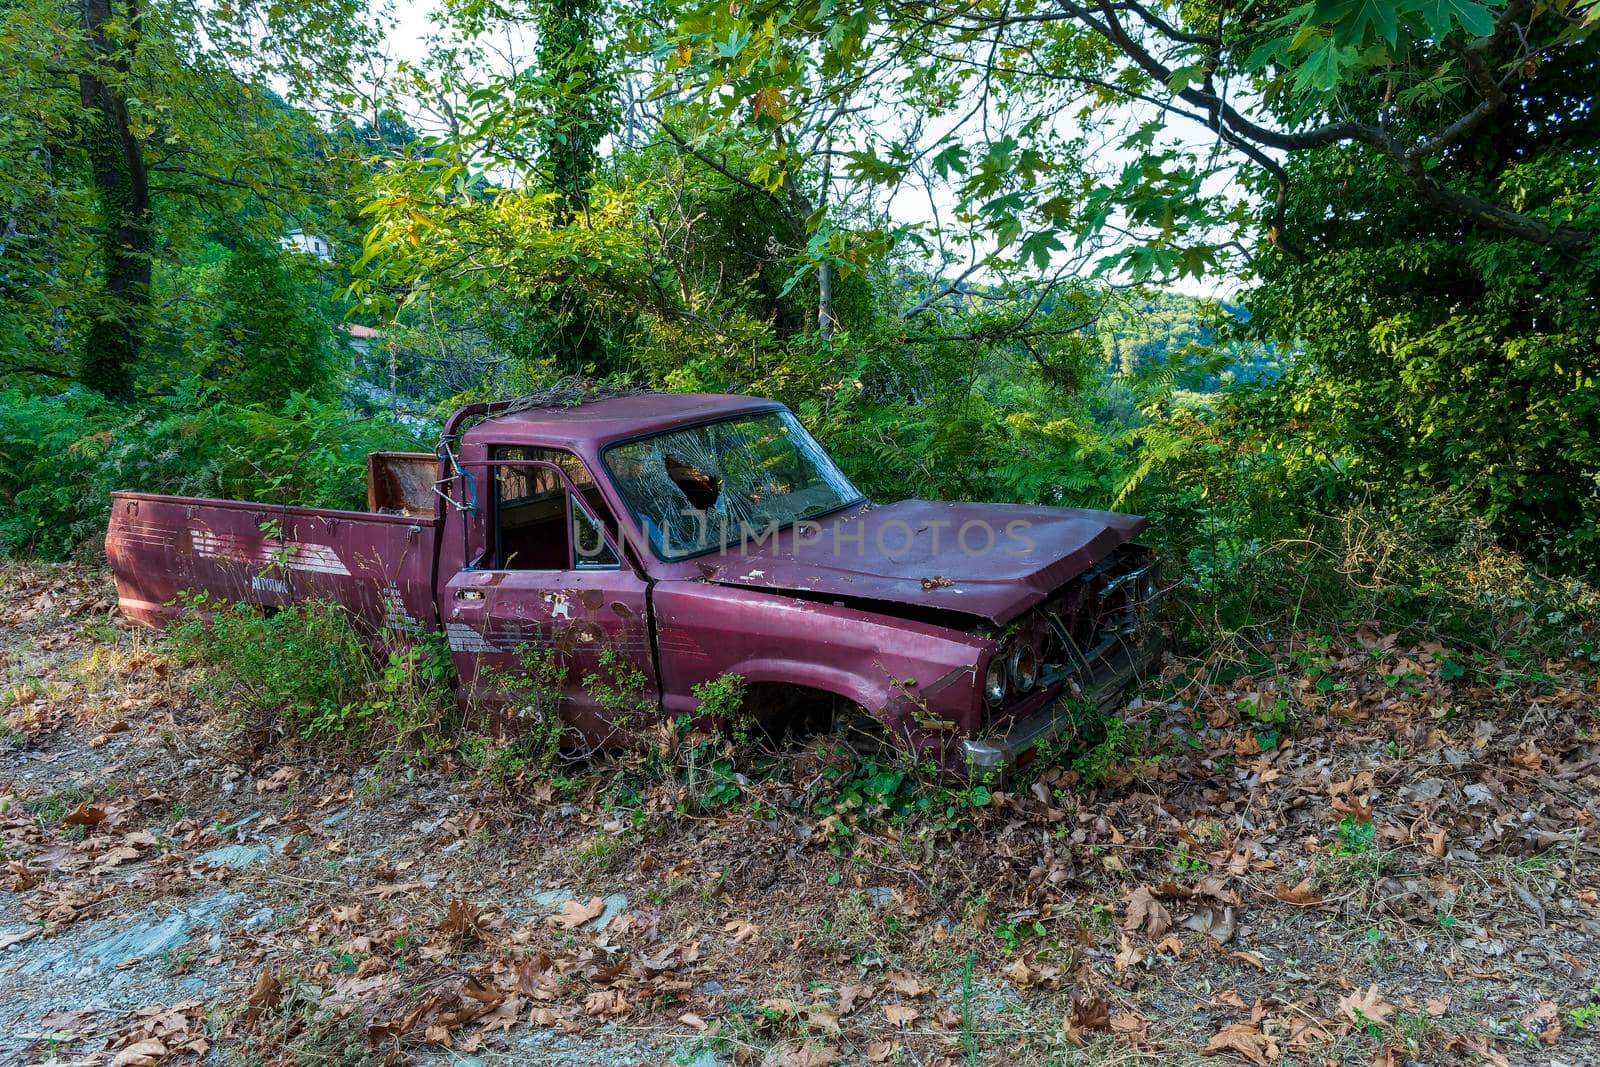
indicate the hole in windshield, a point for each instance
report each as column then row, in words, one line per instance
column 700, row 488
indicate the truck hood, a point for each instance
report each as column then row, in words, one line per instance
column 992, row 561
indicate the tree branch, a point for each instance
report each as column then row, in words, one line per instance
column 1475, row 209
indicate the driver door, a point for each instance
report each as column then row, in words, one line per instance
column 551, row 615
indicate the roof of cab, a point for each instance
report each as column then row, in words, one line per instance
column 594, row 424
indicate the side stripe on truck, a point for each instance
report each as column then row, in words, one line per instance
column 267, row 551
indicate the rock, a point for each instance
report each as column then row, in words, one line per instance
column 616, row 904
column 698, row 1057
column 234, row 857
column 140, row 942
column 879, row 896
column 553, row 900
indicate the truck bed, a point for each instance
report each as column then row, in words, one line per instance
column 380, row 566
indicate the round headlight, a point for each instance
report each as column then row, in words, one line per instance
column 1024, row 667
column 994, row 680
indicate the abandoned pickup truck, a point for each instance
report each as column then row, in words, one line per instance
column 694, row 536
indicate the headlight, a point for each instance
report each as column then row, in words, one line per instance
column 994, row 680
column 1023, row 666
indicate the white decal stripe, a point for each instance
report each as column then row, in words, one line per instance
column 295, row 555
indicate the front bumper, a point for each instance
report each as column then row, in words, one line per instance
column 1122, row 667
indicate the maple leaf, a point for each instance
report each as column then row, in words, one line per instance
column 801, row 1054
column 1218, row 923
column 460, row 922
column 85, row 814
column 574, row 914
column 262, row 999
column 1247, row 1040
column 907, row 984
column 1131, row 1025
column 900, row 1014
column 141, row 1054
column 743, row 931
column 1147, row 913
column 882, row 1051
column 1366, row 1007
column 1300, row 895
column 848, row 995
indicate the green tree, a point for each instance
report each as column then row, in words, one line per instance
column 577, row 111
column 271, row 339
column 132, row 123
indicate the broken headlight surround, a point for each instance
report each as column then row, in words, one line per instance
column 995, row 679
column 1022, row 667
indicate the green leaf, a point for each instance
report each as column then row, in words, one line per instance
column 1475, row 17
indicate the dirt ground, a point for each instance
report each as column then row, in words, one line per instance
column 1343, row 849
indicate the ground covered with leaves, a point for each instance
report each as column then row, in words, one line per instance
column 1341, row 847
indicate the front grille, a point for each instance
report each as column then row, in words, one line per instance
column 1105, row 608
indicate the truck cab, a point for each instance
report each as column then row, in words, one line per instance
column 695, row 536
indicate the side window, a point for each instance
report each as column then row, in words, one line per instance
column 531, row 528
column 593, row 551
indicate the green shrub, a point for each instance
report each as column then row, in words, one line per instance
column 305, row 671
column 61, row 457
column 272, row 338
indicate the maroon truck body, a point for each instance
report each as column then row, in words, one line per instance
column 958, row 628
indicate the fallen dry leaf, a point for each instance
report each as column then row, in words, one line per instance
column 1131, row 1025
column 574, row 914
column 1247, row 1040
column 1367, row 1006
column 141, row 1054
column 906, row 984
column 800, row 1054
column 1146, row 913
column 900, row 1014
column 1218, row 922
column 262, row 999
column 1300, row 895
column 85, row 814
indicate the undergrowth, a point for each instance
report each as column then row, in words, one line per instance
column 304, row 671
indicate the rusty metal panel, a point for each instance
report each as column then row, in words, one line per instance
column 918, row 679
column 990, row 561
column 379, row 566
column 402, row 483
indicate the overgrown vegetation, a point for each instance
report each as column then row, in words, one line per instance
column 62, row 456
column 947, row 237
column 305, row 673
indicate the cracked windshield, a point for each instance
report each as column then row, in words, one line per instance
column 710, row 486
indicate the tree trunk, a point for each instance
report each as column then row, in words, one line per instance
column 112, row 349
column 825, row 301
